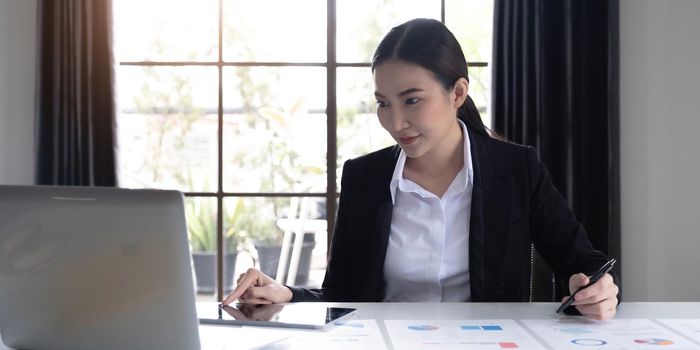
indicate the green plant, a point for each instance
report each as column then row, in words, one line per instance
column 233, row 217
column 242, row 222
column 255, row 228
column 201, row 223
column 167, row 103
column 267, row 236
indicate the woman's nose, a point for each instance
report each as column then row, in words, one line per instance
column 398, row 121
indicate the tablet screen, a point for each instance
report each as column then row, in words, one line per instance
column 300, row 315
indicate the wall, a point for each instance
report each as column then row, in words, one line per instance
column 17, row 81
column 660, row 162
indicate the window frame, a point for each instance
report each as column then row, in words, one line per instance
column 331, row 194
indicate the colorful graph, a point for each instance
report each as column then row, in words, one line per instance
column 688, row 327
column 589, row 342
column 474, row 344
column 484, row 328
column 654, row 341
column 616, row 333
column 423, row 327
column 489, row 334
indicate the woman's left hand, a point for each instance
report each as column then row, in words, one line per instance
column 597, row 301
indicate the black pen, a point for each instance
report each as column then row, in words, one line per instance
column 593, row 279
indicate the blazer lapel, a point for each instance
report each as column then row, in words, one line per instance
column 489, row 224
column 477, row 266
column 384, row 228
column 386, row 207
column 381, row 224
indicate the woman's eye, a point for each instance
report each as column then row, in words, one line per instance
column 412, row 100
column 381, row 104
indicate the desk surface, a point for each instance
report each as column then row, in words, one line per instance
column 465, row 311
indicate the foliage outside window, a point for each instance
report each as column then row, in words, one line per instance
column 273, row 117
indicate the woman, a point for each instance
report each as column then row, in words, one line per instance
column 450, row 212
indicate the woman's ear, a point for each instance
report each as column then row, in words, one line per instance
column 460, row 90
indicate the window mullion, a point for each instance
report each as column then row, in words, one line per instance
column 220, row 189
column 331, row 115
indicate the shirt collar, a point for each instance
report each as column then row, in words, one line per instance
column 461, row 180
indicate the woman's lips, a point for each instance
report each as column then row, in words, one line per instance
column 408, row 140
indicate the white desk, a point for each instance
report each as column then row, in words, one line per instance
column 447, row 311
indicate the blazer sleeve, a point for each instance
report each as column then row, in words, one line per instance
column 339, row 260
column 556, row 233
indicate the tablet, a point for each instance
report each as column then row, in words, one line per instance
column 296, row 315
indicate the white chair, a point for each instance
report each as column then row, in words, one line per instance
column 296, row 226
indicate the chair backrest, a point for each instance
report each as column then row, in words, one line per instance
column 542, row 279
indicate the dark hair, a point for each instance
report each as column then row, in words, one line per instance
column 429, row 44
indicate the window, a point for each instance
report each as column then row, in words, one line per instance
column 251, row 107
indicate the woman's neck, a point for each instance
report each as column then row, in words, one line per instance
column 445, row 160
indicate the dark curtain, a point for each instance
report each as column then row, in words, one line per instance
column 75, row 107
column 555, row 87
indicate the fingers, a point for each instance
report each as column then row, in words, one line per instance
column 602, row 310
column 247, row 280
column 597, row 301
column 257, row 288
column 603, row 289
column 237, row 292
column 271, row 293
column 258, row 295
column 577, row 281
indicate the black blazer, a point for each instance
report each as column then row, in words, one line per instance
column 514, row 203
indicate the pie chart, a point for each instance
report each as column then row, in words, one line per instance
column 654, row 341
column 589, row 342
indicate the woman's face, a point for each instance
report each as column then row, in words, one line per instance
column 414, row 108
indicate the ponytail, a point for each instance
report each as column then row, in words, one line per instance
column 469, row 115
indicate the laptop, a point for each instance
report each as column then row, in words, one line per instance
column 95, row 268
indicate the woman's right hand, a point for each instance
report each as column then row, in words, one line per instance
column 255, row 287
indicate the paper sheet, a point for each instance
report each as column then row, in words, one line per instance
column 234, row 337
column 688, row 327
column 459, row 334
column 350, row 334
column 616, row 334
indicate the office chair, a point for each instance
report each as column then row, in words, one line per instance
column 543, row 286
column 295, row 228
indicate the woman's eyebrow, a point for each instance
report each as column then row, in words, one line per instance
column 402, row 93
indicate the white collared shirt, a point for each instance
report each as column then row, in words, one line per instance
column 427, row 257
